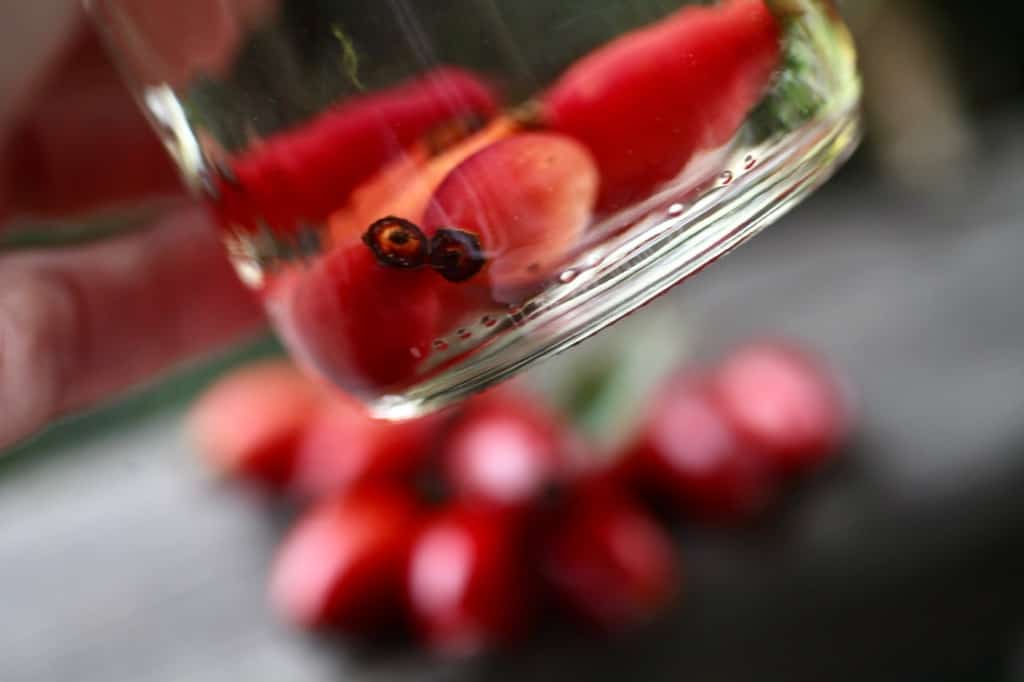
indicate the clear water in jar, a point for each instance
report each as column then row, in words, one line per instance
column 409, row 185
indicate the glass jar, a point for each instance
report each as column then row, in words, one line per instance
column 429, row 197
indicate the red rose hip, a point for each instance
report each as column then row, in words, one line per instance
column 686, row 451
column 404, row 186
column 647, row 102
column 342, row 563
column 307, row 173
column 505, row 450
column 608, row 562
column 248, row 424
column 527, row 199
column 402, row 190
column 785, row 401
column 466, row 583
column 365, row 325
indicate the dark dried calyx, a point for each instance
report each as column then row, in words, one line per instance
column 456, row 254
column 397, row 243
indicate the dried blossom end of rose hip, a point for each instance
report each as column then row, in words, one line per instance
column 397, row 243
column 529, row 115
column 456, row 254
column 445, row 136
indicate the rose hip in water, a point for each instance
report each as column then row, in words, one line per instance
column 526, row 200
column 307, row 173
column 362, row 323
column 387, row 190
column 647, row 102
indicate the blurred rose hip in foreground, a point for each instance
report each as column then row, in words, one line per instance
column 341, row 565
column 462, row 527
column 505, row 450
column 688, row 451
column 466, row 581
column 607, row 561
column 785, row 401
column 249, row 424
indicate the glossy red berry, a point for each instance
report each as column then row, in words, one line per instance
column 527, row 198
column 647, row 102
column 786, row 403
column 688, row 453
column 506, row 450
column 466, row 581
column 248, row 424
column 342, row 564
column 607, row 561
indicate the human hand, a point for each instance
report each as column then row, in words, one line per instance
column 78, row 324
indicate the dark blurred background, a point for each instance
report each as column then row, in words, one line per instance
column 943, row 79
column 905, row 562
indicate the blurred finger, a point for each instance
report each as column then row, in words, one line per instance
column 83, row 143
column 79, row 325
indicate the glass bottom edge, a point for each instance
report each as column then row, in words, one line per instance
column 642, row 267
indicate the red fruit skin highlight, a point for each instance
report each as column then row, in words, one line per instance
column 505, row 451
column 786, row 402
column 647, row 102
column 341, row 565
